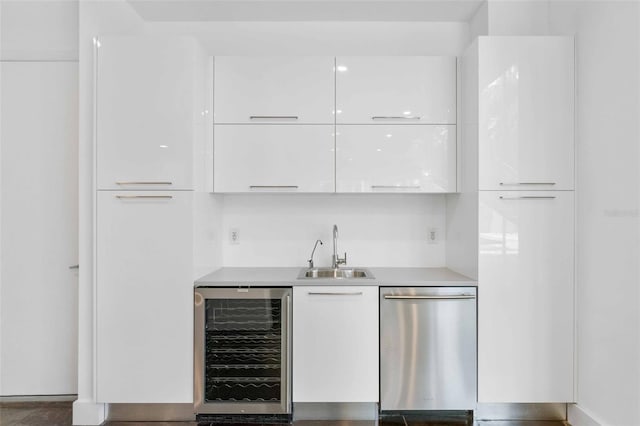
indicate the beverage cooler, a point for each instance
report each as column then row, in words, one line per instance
column 242, row 351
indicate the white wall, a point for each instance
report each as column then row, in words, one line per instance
column 608, row 200
column 324, row 38
column 380, row 230
column 39, row 30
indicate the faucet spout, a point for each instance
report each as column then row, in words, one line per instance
column 314, row 250
column 335, row 259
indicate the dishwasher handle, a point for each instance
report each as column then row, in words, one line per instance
column 443, row 297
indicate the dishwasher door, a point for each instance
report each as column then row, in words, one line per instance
column 427, row 348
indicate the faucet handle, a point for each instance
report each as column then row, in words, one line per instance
column 342, row 261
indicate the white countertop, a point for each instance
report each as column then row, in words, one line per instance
column 263, row 277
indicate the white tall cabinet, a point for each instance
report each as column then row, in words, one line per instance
column 145, row 113
column 517, row 207
column 39, row 228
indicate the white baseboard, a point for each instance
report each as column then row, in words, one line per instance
column 577, row 416
column 88, row 413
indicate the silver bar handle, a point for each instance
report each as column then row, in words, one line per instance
column 529, row 197
column 288, row 354
column 392, row 117
column 329, row 293
column 157, row 197
column 143, row 183
column 451, row 297
column 525, row 183
column 74, row 267
column 395, row 186
column 273, row 186
column 273, row 117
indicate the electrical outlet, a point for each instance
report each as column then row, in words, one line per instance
column 432, row 236
column 234, row 236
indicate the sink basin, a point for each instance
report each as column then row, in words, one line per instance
column 330, row 273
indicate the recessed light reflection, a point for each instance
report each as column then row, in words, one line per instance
column 164, row 146
column 388, row 135
column 379, row 150
column 342, row 68
column 407, row 113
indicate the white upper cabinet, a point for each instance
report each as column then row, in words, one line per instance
column 526, row 113
column 145, row 112
column 395, row 158
column 274, row 158
column 274, row 89
column 396, row 89
column 526, row 301
column 335, row 344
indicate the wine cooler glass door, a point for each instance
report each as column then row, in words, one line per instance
column 243, row 360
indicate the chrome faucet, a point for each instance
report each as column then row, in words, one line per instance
column 335, row 259
column 314, row 250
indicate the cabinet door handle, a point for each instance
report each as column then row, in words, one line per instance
column 74, row 267
column 157, row 197
column 144, row 183
column 273, row 187
column 451, row 297
column 395, row 186
column 273, row 117
column 525, row 183
column 329, row 293
column 531, row 197
column 399, row 117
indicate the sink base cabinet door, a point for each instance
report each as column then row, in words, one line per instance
column 526, row 297
column 144, row 297
column 335, row 344
column 395, row 158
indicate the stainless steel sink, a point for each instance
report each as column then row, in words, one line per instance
column 337, row 273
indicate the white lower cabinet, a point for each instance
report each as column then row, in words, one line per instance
column 526, row 297
column 335, row 344
column 274, row 158
column 395, row 158
column 144, row 297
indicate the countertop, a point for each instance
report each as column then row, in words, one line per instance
column 390, row 277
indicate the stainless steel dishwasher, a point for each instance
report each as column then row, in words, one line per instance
column 427, row 348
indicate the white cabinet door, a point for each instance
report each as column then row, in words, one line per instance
column 258, row 89
column 395, row 158
column 39, row 222
column 145, row 112
column 144, row 297
column 526, row 113
column 335, row 344
column 273, row 158
column 526, row 296
column 400, row 89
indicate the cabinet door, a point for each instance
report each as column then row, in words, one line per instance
column 526, row 113
column 393, row 158
column 145, row 112
column 258, row 89
column 400, row 89
column 144, row 297
column 273, row 158
column 526, row 296
column 335, row 344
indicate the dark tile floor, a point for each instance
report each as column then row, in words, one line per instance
column 59, row 414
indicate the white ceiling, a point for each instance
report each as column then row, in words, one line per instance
column 306, row 10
